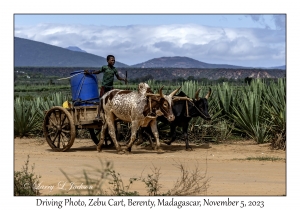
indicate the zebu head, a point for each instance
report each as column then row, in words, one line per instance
column 162, row 103
column 202, row 104
column 144, row 88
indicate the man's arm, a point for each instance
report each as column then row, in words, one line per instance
column 96, row 72
column 92, row 72
column 120, row 78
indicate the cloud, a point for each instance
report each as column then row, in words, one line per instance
column 138, row 43
column 256, row 18
column 280, row 21
column 261, row 20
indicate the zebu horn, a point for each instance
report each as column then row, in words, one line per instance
column 152, row 94
column 208, row 94
column 174, row 92
column 197, row 94
column 160, row 92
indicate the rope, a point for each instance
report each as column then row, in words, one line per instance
column 85, row 101
column 150, row 105
column 187, row 108
column 70, row 76
column 78, row 92
column 198, row 109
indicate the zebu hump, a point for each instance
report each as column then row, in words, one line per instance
column 110, row 95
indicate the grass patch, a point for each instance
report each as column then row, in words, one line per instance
column 261, row 158
column 190, row 182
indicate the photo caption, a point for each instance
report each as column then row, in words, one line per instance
column 149, row 202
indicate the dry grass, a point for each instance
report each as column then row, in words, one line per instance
column 190, row 182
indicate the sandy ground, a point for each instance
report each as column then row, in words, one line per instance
column 227, row 170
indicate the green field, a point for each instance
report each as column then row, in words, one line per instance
column 239, row 110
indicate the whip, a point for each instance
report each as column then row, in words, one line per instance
column 71, row 76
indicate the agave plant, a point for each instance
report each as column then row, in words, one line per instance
column 190, row 88
column 42, row 105
column 26, row 119
column 227, row 97
column 260, row 133
column 247, row 115
column 275, row 108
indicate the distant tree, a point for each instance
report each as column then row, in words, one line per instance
column 51, row 82
column 204, row 80
column 15, row 77
column 222, row 79
column 190, row 78
column 148, row 77
column 248, row 80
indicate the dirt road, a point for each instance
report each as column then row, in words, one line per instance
column 226, row 165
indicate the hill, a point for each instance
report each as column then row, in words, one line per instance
column 196, row 73
column 181, row 62
column 38, row 54
column 37, row 57
column 162, row 74
column 74, row 48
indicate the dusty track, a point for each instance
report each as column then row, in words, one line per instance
column 228, row 171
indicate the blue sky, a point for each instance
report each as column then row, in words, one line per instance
column 234, row 20
column 257, row 40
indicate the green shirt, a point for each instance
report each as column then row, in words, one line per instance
column 108, row 76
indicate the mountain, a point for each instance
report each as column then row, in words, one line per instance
column 28, row 53
column 283, row 67
column 38, row 54
column 181, row 62
column 76, row 49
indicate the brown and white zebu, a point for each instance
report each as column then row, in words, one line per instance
column 140, row 108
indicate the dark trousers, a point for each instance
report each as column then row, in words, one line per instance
column 103, row 90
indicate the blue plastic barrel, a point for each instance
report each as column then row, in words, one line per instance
column 84, row 88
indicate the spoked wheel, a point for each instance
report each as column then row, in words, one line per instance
column 95, row 135
column 59, row 129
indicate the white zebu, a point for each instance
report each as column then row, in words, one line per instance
column 138, row 107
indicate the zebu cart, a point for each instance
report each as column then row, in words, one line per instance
column 60, row 124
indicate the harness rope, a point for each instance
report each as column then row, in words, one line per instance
column 198, row 109
column 187, row 110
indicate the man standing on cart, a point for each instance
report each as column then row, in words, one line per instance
column 109, row 71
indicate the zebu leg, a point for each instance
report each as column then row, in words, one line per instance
column 141, row 131
column 153, row 125
column 172, row 134
column 134, row 128
column 102, row 137
column 110, row 120
column 185, row 134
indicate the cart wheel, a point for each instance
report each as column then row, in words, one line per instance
column 59, row 129
column 95, row 135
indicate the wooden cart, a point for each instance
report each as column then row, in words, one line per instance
column 60, row 125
